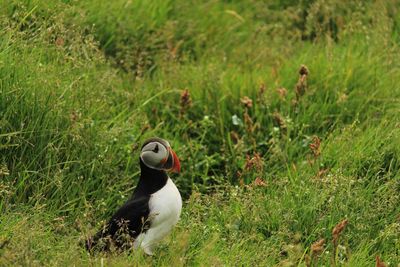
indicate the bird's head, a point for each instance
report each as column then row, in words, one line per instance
column 157, row 154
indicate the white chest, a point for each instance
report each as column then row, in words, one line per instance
column 165, row 208
column 165, row 205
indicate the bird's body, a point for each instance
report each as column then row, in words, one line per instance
column 165, row 207
column 154, row 208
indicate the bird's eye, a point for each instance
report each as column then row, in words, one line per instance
column 155, row 150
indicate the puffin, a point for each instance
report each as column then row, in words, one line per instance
column 154, row 208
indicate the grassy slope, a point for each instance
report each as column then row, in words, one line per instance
column 84, row 83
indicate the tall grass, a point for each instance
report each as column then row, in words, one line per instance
column 266, row 170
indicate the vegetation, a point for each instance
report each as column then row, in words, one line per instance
column 285, row 115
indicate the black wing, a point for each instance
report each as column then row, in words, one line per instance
column 129, row 221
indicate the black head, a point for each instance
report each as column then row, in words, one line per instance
column 156, row 153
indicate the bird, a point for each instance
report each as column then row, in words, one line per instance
column 154, row 208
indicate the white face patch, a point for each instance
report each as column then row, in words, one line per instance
column 154, row 155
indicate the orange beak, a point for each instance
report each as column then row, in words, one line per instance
column 176, row 167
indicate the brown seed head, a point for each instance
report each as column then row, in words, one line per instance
column 59, row 41
column 248, row 122
column 240, row 178
column 315, row 146
column 301, row 85
column 234, row 137
column 279, row 120
column 256, row 162
column 308, row 261
column 282, row 92
column 249, row 164
column 338, row 229
column 185, row 100
column 246, row 101
column 317, row 247
column 74, row 116
column 4, row 171
column 259, row 182
column 303, row 70
column 321, row 173
column 379, row 262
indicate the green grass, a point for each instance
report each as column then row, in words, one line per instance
column 84, row 83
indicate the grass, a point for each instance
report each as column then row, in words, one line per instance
column 271, row 160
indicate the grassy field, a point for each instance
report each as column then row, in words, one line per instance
column 285, row 115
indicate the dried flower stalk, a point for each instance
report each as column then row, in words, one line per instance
column 301, row 85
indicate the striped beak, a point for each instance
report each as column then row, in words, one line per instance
column 176, row 165
column 171, row 163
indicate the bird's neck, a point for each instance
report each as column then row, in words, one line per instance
column 150, row 181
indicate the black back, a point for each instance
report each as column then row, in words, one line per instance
column 133, row 217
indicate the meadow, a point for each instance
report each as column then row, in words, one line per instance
column 284, row 114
